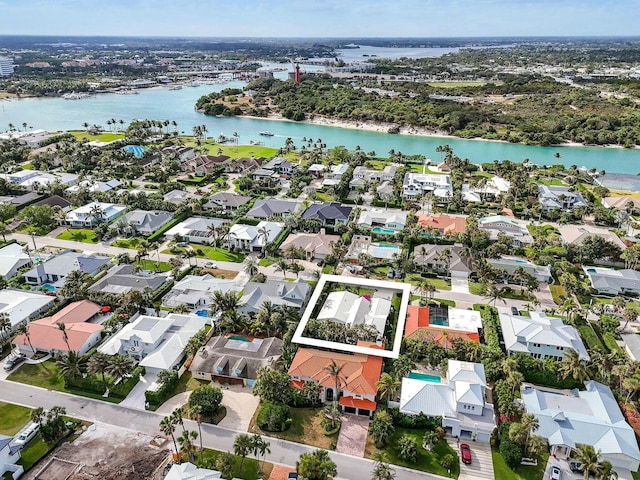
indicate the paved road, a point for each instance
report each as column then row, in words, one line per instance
column 283, row 452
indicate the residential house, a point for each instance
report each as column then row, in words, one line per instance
column 459, row 399
column 226, row 201
column 125, row 278
column 19, row 201
column 416, row 185
column 584, row 417
column 442, row 225
column 350, row 309
column 608, row 281
column 188, row 471
column 44, row 335
column 179, row 153
column 364, row 173
column 499, row 224
column 508, row 265
column 21, row 306
column 32, row 180
column 266, row 177
column 274, row 207
column 317, row 169
column 196, row 291
column 94, row 186
column 280, row 166
column 540, row 336
column 253, row 238
column 621, row 203
column 55, row 201
column 490, row 190
column 278, row 292
column 94, row 213
column 442, row 324
column 357, row 390
column 234, row 360
column 315, row 245
column 559, row 198
column 377, row 252
column 243, row 165
column 204, row 164
column 382, row 221
column 576, row 234
column 179, row 196
column 156, row 343
column 12, row 259
column 54, row 270
column 433, row 258
column 631, row 345
column 144, row 222
column 333, row 177
column 9, row 457
column 330, row 214
column 196, row 230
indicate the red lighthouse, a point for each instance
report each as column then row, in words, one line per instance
column 297, row 73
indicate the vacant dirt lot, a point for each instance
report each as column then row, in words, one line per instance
column 102, row 452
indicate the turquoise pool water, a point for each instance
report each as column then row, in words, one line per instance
column 383, row 231
column 48, row 287
column 202, row 313
column 441, row 320
column 395, row 247
column 239, row 337
column 424, row 377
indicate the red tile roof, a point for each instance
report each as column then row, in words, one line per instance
column 360, row 373
column 361, row 403
column 417, row 325
column 449, row 225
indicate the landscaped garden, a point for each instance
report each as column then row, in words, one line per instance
column 12, row 418
column 523, row 472
column 212, row 253
column 83, row 235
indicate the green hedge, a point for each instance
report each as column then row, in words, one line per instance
column 414, row 421
column 273, row 417
column 158, row 397
column 248, row 221
column 612, row 345
column 179, row 218
column 94, row 384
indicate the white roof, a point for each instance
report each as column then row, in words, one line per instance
column 368, row 217
column 10, row 256
column 378, row 313
column 193, row 225
column 345, row 307
column 465, row 320
column 250, row 233
column 20, row 305
column 188, row 471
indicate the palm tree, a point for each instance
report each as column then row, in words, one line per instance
column 178, row 417
column 195, row 411
column 282, row 266
column 186, row 443
column 99, row 364
column 242, row 447
column 4, row 229
column 494, row 293
column 573, row 366
column 5, row 325
column 251, row 268
column 236, row 138
column 335, row 370
column 168, row 428
column 72, row 366
column 530, row 423
column 23, row 330
column 63, row 328
column 605, row 471
column 120, row 366
column 388, row 385
column 588, row 456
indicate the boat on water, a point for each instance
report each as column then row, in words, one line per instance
column 175, row 87
column 267, row 133
column 75, row 96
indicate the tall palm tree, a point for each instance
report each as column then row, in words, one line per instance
column 4, row 229
column 5, row 325
column 23, row 330
column 178, row 417
column 494, row 293
column 63, row 328
column 573, row 366
column 120, row 366
column 168, row 428
column 242, row 447
column 282, row 266
column 530, row 423
column 99, row 364
column 72, row 366
column 186, row 443
column 588, row 456
column 605, row 471
column 195, row 412
column 251, row 268
column 388, row 385
column 335, row 370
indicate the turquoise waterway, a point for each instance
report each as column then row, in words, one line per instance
column 160, row 103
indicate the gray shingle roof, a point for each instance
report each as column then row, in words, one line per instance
column 272, row 206
column 122, row 279
column 328, row 211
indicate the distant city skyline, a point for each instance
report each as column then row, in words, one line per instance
column 321, row 18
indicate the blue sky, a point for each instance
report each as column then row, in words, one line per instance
column 320, row 18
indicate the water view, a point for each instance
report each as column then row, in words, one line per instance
column 161, row 103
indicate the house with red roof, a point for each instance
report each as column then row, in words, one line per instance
column 442, row 325
column 44, row 335
column 445, row 225
column 357, row 381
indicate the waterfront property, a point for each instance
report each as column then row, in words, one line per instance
column 314, row 245
column 22, row 306
column 13, row 258
column 613, row 282
column 334, row 175
column 357, row 389
column 94, row 213
column 196, row 291
column 487, row 190
column 559, row 198
column 79, row 335
column 499, row 224
column 459, row 399
column 235, row 359
column 54, row 270
column 156, row 343
column 278, row 292
column 588, row 417
column 540, row 336
column 415, row 185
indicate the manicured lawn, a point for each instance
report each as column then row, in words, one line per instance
column 102, row 137
column 610, row 342
column 249, row 468
column 78, row 235
column 556, row 292
column 152, row 265
column 327, row 269
column 475, row 288
column 127, row 242
column 34, row 451
column 219, row 254
column 427, row 462
column 590, row 337
column 324, row 197
column 503, row 472
column 439, row 283
column 266, row 261
column 13, row 418
column 231, row 150
column 442, row 301
column 305, row 428
column 419, row 168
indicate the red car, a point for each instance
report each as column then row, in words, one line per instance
column 465, row 453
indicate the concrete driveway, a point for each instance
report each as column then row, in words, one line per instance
column 353, row 435
column 481, row 462
column 240, row 404
column 136, row 398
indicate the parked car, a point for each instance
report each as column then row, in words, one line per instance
column 398, row 273
column 515, row 311
column 182, row 244
column 292, row 476
column 555, row 473
column 390, row 273
column 210, row 265
column 576, row 466
column 320, row 262
column 13, row 362
column 26, row 434
column 465, row 453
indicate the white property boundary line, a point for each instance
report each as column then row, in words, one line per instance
column 403, row 288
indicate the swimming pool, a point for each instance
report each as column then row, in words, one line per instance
column 239, row 337
column 440, row 320
column 48, row 287
column 383, row 245
column 425, row 377
column 383, row 231
column 202, row 313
